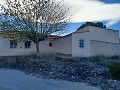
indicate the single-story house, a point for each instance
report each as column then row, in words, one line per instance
column 88, row 41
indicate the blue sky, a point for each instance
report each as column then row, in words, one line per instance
column 111, row 1
column 73, row 26
column 106, row 11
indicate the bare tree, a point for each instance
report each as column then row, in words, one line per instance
column 37, row 19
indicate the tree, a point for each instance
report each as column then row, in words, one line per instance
column 36, row 19
column 97, row 24
column 100, row 24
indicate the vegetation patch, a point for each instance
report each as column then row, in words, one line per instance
column 115, row 70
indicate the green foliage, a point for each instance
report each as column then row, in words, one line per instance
column 115, row 70
column 97, row 24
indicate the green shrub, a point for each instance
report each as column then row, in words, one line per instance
column 115, row 70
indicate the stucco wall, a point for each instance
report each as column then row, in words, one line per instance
column 5, row 49
column 104, row 48
column 76, row 50
column 1, row 46
column 20, row 50
column 91, row 33
column 102, row 34
column 63, row 45
column 45, row 48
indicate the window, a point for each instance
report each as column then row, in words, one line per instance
column 28, row 44
column 50, row 44
column 13, row 44
column 81, row 43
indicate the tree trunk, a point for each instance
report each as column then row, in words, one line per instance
column 37, row 48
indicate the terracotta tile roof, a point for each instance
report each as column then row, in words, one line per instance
column 52, row 37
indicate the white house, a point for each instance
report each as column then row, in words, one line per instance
column 88, row 41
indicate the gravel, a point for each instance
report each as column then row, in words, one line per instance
column 94, row 71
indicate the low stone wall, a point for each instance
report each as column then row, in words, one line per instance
column 104, row 48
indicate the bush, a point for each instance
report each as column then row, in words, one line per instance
column 115, row 70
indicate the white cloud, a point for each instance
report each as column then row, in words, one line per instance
column 111, row 22
column 2, row 1
column 94, row 10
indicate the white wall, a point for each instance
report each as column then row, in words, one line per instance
column 104, row 48
column 63, row 45
column 102, row 34
column 5, row 49
column 1, row 44
column 91, row 33
column 44, row 47
column 76, row 50
column 20, row 50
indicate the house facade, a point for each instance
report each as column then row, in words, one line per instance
column 88, row 41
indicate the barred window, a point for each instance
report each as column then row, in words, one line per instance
column 28, row 44
column 81, row 43
column 13, row 44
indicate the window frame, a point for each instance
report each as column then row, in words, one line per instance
column 13, row 44
column 50, row 44
column 26, row 46
column 81, row 43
